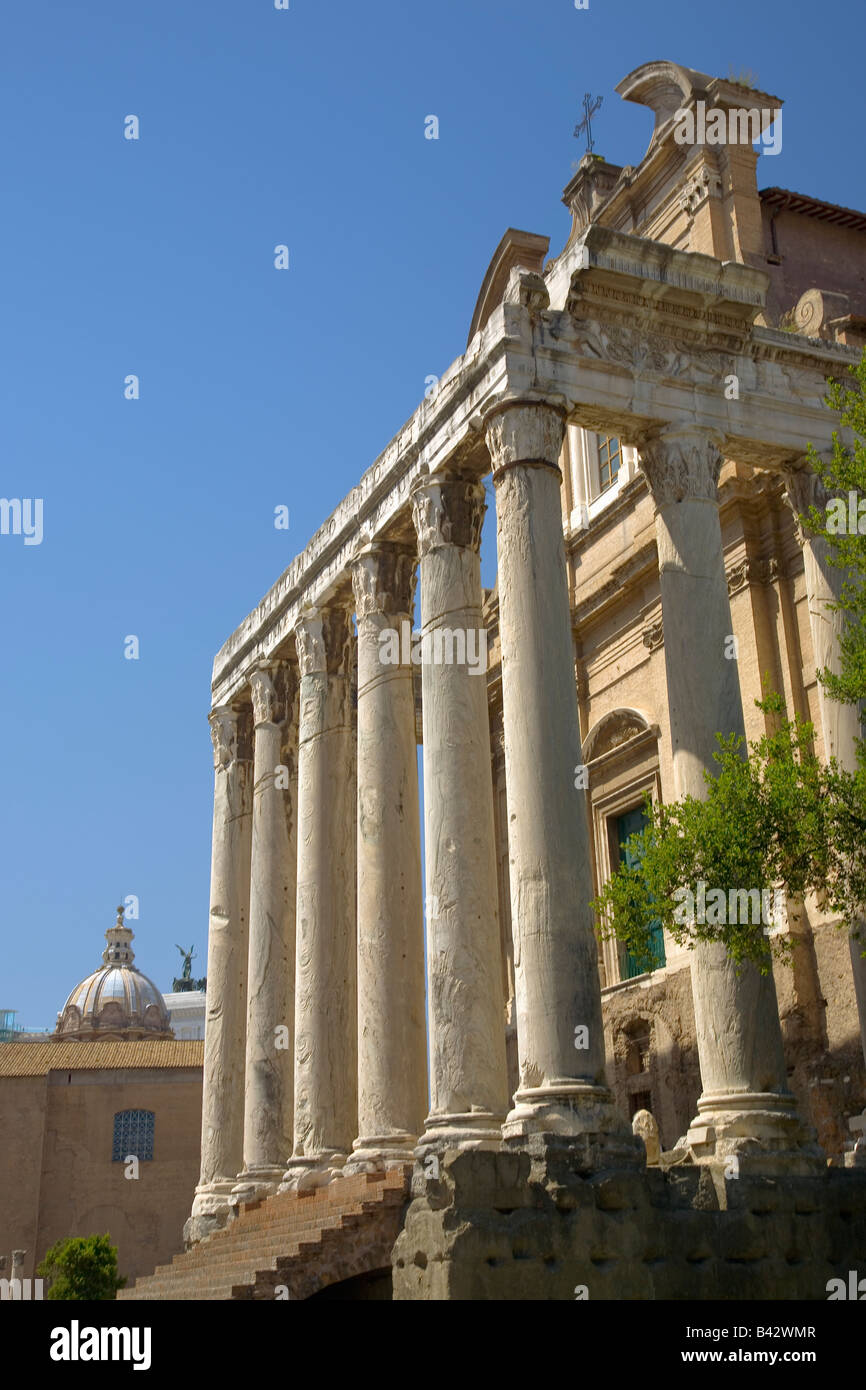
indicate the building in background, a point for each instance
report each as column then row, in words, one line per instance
column 114, row 1082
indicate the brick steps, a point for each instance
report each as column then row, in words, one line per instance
column 303, row 1242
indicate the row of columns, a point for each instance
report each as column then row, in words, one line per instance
column 335, row 881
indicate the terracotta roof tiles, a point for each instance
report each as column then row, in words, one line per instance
column 35, row 1059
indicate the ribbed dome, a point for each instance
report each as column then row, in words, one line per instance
column 116, row 1001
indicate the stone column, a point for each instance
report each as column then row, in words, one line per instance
column 560, row 1034
column 326, row 1015
column 222, row 1126
column 268, row 1109
column 468, row 1087
column 746, row 1107
column 392, row 1034
column 840, row 723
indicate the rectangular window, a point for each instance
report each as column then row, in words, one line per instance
column 133, row 1135
column 609, row 461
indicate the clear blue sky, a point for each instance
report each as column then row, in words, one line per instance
column 259, row 387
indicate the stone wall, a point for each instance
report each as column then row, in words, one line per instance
column 515, row 1226
column 812, row 252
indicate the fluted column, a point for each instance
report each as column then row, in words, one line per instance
column 840, row 723
column 746, row 1106
column 268, row 1106
column 468, row 1085
column 225, row 1020
column 560, row 1035
column 326, row 1045
column 392, row 1037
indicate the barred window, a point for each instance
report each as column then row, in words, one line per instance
column 133, row 1135
column 609, row 460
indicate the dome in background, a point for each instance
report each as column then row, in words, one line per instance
column 116, row 1001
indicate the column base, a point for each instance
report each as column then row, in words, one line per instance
column 575, row 1116
column 212, row 1209
column 309, row 1171
column 761, row 1130
column 474, row 1129
column 377, row 1153
column 253, row 1184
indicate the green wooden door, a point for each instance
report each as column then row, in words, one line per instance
column 630, row 824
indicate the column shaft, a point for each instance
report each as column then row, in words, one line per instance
column 559, row 1019
column 392, row 1039
column 840, row 723
column 325, row 975
column 268, row 1111
column 468, row 1087
column 746, row 1105
column 225, row 1021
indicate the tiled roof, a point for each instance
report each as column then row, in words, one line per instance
column 35, row 1059
column 787, row 201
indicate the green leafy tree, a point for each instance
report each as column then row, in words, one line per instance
column 777, row 819
column 82, row 1267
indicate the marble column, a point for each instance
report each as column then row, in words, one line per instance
column 268, row 1107
column 225, row 1019
column 746, row 1107
column 468, row 1085
column 560, row 1035
column 392, row 1034
column 840, row 723
column 326, row 1015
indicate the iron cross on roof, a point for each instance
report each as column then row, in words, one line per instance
column 590, row 106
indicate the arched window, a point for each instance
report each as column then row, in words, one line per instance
column 133, row 1135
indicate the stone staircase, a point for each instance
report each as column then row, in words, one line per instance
column 292, row 1245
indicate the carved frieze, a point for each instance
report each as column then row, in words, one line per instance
column 643, row 349
column 654, row 636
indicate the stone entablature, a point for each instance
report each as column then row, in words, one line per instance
column 634, row 336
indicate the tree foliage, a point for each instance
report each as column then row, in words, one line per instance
column 82, row 1267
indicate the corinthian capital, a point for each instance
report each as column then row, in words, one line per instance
column 448, row 510
column 526, row 432
column 264, row 697
column 383, row 579
column 224, row 734
column 681, row 463
column 324, row 640
column 804, row 489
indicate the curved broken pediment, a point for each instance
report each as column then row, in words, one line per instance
column 616, row 727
